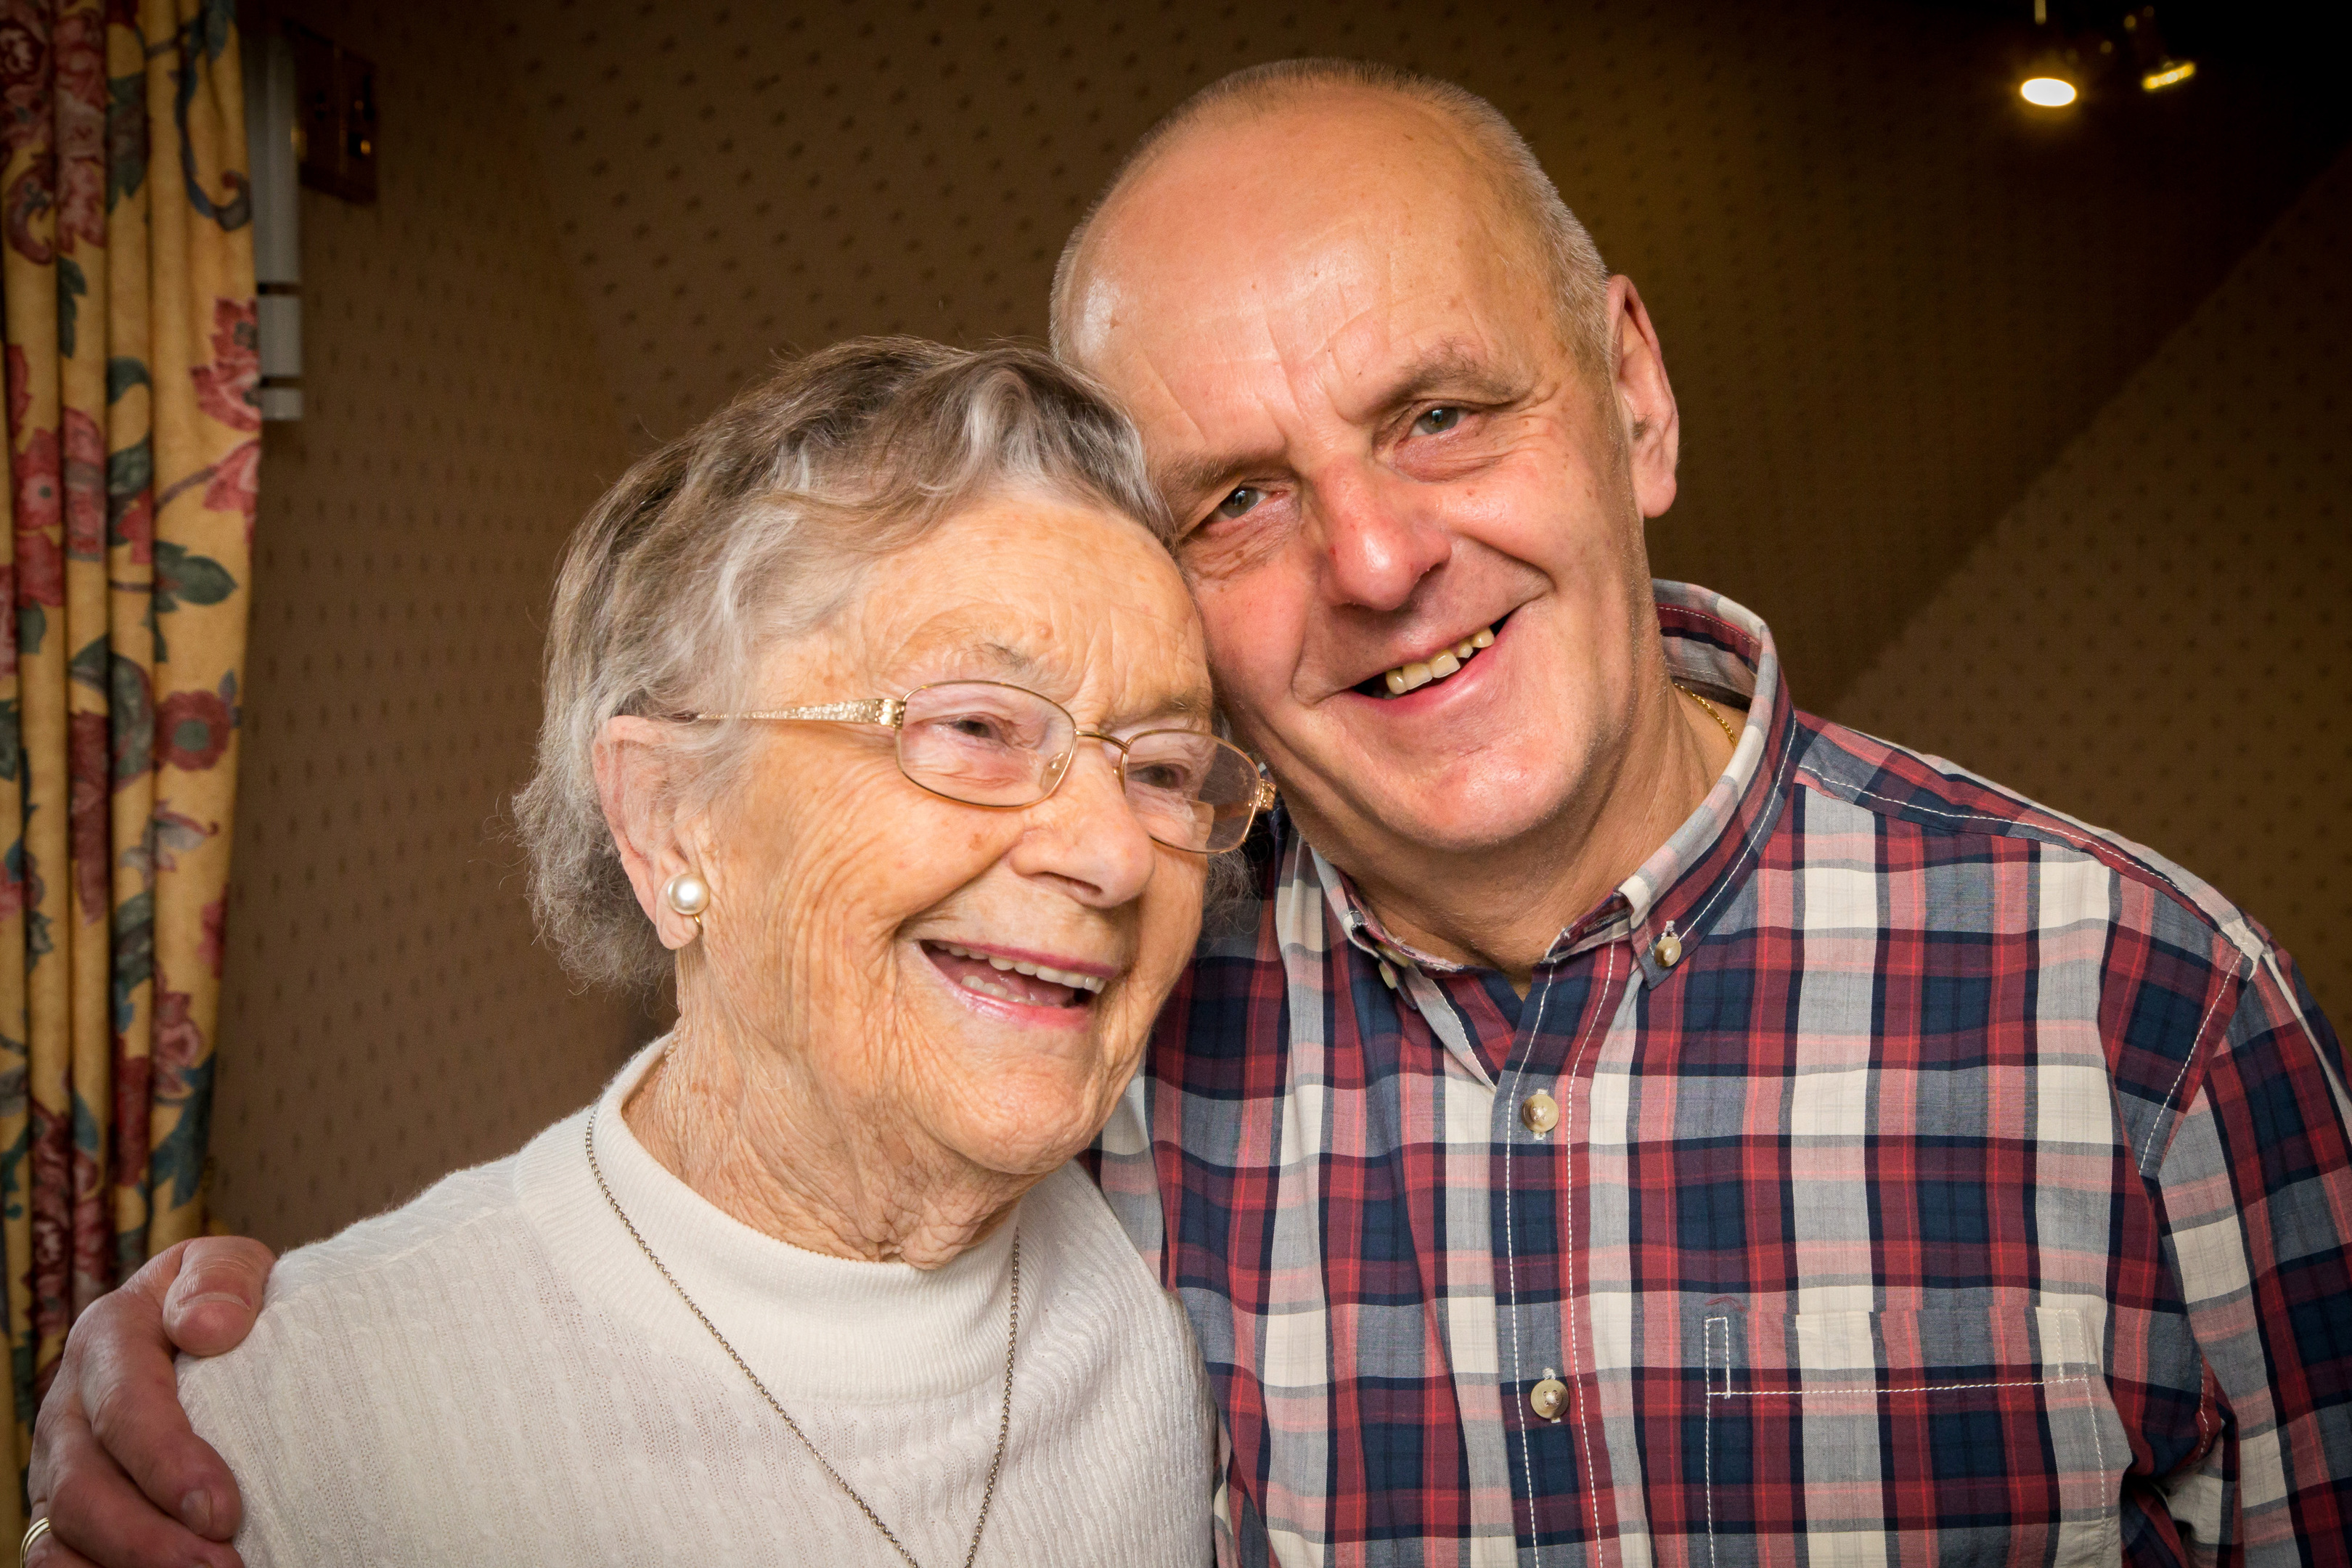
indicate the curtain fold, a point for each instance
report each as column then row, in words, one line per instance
column 127, row 300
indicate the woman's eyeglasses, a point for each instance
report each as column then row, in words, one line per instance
column 983, row 743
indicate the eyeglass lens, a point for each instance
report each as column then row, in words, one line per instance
column 989, row 744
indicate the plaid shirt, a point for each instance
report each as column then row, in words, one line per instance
column 1933, row 1179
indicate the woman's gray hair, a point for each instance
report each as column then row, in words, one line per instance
column 750, row 531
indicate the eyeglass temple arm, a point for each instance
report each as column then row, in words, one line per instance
column 872, row 710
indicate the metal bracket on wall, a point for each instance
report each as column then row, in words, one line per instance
column 272, row 140
column 310, row 109
column 336, row 92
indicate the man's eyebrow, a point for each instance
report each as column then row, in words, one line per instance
column 1181, row 479
column 1451, row 367
column 1455, row 367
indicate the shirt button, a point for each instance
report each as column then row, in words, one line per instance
column 1668, row 950
column 1540, row 1112
column 1549, row 1398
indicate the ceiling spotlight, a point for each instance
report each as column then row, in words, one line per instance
column 2048, row 83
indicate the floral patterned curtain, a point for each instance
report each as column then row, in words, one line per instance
column 126, row 285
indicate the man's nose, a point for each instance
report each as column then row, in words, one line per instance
column 1379, row 537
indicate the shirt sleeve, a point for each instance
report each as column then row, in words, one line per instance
column 2257, row 1184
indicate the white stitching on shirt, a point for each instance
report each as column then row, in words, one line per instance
column 2081, row 1343
column 1841, row 792
column 1874, row 1392
column 2156, row 1126
column 1755, row 846
column 1707, row 1424
column 1511, row 1268
column 1511, row 1274
column 2091, row 1413
column 2147, row 1142
column 1568, row 1126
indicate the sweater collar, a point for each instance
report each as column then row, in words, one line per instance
column 830, row 1328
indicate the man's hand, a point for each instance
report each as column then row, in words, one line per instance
column 112, row 1427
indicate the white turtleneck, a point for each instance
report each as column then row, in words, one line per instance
column 494, row 1373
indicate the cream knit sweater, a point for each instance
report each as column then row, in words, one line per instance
column 495, row 1374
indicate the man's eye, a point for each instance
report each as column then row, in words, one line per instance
column 1244, row 498
column 1437, row 421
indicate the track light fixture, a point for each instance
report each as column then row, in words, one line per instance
column 2158, row 69
column 2061, row 69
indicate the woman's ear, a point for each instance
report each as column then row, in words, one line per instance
column 635, row 759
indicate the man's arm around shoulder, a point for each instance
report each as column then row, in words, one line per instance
column 117, row 1470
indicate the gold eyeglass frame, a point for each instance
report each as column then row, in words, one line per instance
column 892, row 711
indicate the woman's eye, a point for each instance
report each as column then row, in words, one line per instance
column 1166, row 777
column 1243, row 499
column 1437, row 421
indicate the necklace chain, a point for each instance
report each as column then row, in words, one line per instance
column 1005, row 1410
column 1720, row 721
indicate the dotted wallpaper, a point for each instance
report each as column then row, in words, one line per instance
column 1888, row 293
column 1889, row 298
column 386, row 1016
column 2154, row 638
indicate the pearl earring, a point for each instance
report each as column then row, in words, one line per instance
column 688, row 895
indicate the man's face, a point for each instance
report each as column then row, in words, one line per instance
column 1350, row 377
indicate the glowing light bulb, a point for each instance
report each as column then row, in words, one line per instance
column 2046, row 91
column 2166, row 74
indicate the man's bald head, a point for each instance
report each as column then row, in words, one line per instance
column 1562, row 261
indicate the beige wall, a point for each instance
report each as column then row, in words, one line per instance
column 596, row 214
column 1889, row 291
column 386, row 1016
column 2154, row 639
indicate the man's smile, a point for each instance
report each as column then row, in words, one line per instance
column 1439, row 663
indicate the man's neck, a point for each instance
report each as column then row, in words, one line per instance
column 1503, row 906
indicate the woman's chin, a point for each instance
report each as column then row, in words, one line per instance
column 1028, row 1139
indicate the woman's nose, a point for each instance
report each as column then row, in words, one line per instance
column 1086, row 836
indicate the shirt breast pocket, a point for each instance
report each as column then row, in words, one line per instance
column 1903, row 1438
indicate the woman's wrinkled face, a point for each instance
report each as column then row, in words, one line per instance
column 857, row 921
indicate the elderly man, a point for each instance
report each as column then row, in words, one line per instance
column 1640, row 1120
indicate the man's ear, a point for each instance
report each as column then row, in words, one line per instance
column 1646, row 399
column 635, row 781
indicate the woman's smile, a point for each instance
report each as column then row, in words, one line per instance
column 1020, row 985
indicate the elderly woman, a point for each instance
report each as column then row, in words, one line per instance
column 877, row 716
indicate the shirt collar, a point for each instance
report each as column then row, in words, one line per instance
column 1719, row 649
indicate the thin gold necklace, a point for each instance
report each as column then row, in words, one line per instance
column 1004, row 1415
column 1720, row 721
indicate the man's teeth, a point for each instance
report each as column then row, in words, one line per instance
column 1093, row 982
column 1406, row 678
